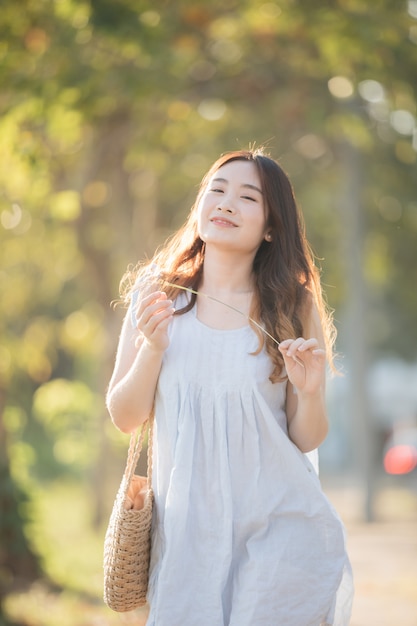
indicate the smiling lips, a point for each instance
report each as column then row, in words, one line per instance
column 221, row 221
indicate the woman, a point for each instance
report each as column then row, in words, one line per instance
column 226, row 341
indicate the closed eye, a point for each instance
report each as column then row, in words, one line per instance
column 249, row 198
column 216, row 190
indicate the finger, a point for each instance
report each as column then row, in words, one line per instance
column 295, row 346
column 319, row 352
column 157, row 325
column 155, row 306
column 154, row 321
column 300, row 345
column 308, row 344
column 284, row 347
column 146, row 300
column 285, row 344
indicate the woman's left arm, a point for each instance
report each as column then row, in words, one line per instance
column 305, row 362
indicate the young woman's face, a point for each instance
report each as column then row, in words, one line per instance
column 231, row 213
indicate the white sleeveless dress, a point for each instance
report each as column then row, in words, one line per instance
column 243, row 534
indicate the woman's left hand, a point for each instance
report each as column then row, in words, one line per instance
column 305, row 363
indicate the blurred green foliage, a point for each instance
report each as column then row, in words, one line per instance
column 110, row 113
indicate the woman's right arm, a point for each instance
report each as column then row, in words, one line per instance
column 131, row 391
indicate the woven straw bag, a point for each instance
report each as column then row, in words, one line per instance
column 127, row 544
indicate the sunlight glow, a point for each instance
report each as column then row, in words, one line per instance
column 412, row 8
column 11, row 218
column 311, row 146
column 340, row 87
column 212, row 109
column 371, row 90
column 403, row 122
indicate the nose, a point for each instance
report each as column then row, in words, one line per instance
column 225, row 206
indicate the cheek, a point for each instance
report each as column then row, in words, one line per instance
column 258, row 220
column 200, row 219
column 202, row 211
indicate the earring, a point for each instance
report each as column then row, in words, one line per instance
column 268, row 237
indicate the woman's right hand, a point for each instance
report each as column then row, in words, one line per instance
column 153, row 315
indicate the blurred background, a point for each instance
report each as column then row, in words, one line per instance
column 110, row 113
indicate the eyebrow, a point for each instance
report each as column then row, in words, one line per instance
column 247, row 185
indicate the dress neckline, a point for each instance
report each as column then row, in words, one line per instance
column 194, row 313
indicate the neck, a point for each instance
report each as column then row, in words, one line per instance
column 223, row 273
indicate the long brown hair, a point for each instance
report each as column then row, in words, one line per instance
column 287, row 281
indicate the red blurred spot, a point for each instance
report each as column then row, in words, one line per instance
column 400, row 459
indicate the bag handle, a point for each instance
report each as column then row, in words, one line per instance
column 135, row 449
